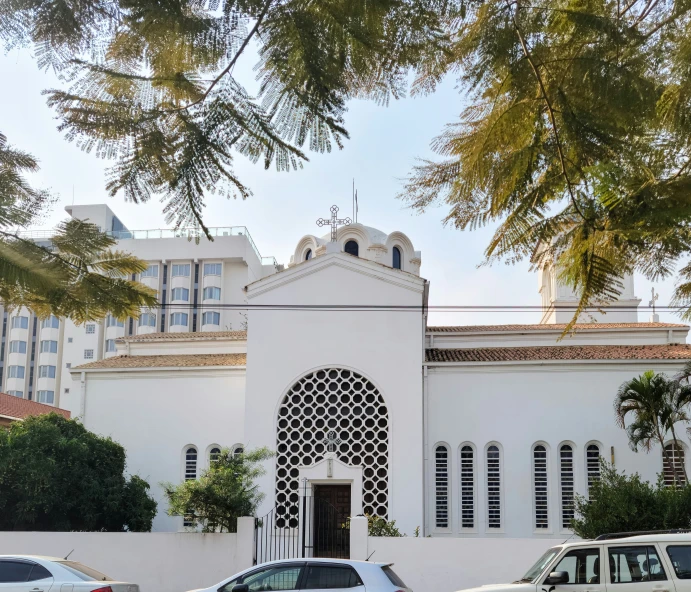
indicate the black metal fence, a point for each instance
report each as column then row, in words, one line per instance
column 312, row 527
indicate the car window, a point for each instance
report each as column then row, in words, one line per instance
column 84, row 573
column 276, row 577
column 393, row 577
column 634, row 564
column 14, row 571
column 582, row 565
column 680, row 556
column 39, row 573
column 541, row 564
column 327, row 577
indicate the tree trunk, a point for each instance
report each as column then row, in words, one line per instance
column 678, row 446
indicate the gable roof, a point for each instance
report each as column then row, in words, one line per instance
column 164, row 361
column 18, row 408
column 196, row 336
column 559, row 353
column 554, row 327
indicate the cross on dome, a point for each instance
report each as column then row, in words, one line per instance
column 333, row 222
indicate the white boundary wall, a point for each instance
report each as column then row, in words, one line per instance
column 158, row 562
column 446, row 564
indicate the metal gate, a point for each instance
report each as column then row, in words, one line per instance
column 311, row 527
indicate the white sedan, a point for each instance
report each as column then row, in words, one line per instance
column 32, row 573
column 318, row 575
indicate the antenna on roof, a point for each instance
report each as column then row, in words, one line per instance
column 70, row 553
column 370, row 555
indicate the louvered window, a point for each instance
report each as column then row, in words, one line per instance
column 566, row 484
column 467, row 487
column 190, row 474
column 592, row 465
column 441, row 486
column 540, row 487
column 673, row 465
column 494, row 510
column 214, row 454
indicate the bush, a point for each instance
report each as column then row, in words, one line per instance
column 625, row 503
column 378, row 527
column 55, row 475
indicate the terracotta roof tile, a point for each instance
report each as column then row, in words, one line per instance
column 19, row 408
column 560, row 352
column 232, row 335
column 553, row 327
column 187, row 361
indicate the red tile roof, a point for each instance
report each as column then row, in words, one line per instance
column 560, row 352
column 552, row 327
column 187, row 336
column 18, row 408
column 166, row 361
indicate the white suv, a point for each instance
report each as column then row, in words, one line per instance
column 611, row 563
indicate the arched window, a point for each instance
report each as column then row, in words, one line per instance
column 397, row 258
column 540, row 487
column 441, row 486
column 467, row 487
column 190, row 463
column 494, row 520
column 238, row 449
column 673, row 461
column 214, row 454
column 566, row 484
column 592, row 464
column 308, row 254
column 352, row 248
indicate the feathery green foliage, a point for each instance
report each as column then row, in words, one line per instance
column 151, row 84
column 576, row 141
column 75, row 274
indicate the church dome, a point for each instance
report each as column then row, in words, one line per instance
column 393, row 250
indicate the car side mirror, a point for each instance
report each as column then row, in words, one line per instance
column 241, row 588
column 556, row 577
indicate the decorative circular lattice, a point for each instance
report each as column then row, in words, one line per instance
column 340, row 401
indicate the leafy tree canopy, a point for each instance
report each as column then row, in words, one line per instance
column 55, row 475
column 151, row 83
column 223, row 493
column 576, row 141
column 76, row 274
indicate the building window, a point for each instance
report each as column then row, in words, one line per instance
column 214, row 454
column 566, row 484
column 70, row 340
column 52, row 322
column 352, row 248
column 178, row 319
column 90, row 329
column 150, row 272
column 540, row 487
column 20, row 323
column 148, row 319
column 441, row 486
column 15, row 371
column 397, row 258
column 211, row 318
column 67, row 391
column 111, row 321
column 212, row 293
column 110, row 345
column 190, row 464
column 592, row 465
column 47, row 397
column 180, row 294
column 88, row 354
column 212, row 268
column 467, row 487
column 17, row 347
column 181, row 270
column 494, row 517
column 673, row 465
column 308, row 254
column 49, row 346
column 19, row 394
column 68, row 365
column 238, row 449
column 46, row 371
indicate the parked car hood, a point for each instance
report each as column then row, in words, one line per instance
column 523, row 587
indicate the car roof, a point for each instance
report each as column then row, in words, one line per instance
column 327, row 560
column 643, row 538
column 39, row 557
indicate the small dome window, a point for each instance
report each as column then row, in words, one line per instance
column 397, row 258
column 308, row 254
column 352, row 248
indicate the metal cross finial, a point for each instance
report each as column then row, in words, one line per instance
column 333, row 222
column 654, row 298
column 331, row 441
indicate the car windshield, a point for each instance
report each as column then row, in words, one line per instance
column 541, row 564
column 84, row 573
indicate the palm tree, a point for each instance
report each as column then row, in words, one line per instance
column 656, row 403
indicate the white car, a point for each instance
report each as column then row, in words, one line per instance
column 33, row 573
column 319, row 575
column 611, row 563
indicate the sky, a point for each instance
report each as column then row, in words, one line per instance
column 385, row 142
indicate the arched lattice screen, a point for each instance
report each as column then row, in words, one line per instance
column 336, row 400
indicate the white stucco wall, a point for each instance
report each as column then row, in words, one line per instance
column 157, row 413
column 517, row 405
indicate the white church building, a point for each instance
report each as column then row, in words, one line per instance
column 466, row 431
